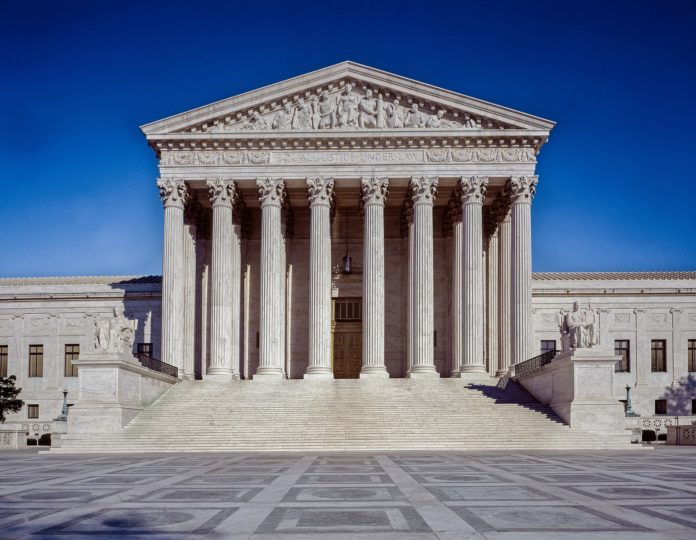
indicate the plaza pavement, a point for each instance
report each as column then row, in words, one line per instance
column 497, row 495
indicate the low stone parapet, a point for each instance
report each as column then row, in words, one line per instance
column 578, row 386
column 681, row 435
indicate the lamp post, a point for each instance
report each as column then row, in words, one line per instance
column 63, row 417
column 628, row 407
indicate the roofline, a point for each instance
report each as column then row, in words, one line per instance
column 200, row 114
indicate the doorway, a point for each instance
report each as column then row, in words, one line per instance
column 346, row 332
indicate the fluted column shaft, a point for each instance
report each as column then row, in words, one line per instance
column 522, row 191
column 473, row 191
column 174, row 194
column 190, row 265
column 320, row 192
column 456, row 306
column 422, row 191
column 236, row 290
column 272, row 278
column 374, row 192
column 492, row 304
column 222, row 195
column 504, row 296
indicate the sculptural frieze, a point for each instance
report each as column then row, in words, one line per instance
column 348, row 106
column 114, row 335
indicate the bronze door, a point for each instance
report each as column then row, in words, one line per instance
column 347, row 353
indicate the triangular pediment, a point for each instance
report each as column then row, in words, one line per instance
column 346, row 97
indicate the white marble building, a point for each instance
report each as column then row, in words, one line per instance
column 350, row 223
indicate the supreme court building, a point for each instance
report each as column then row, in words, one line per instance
column 344, row 224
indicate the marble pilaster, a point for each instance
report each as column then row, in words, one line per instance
column 174, row 194
column 374, row 192
column 422, row 191
column 272, row 280
column 320, row 193
column 222, row 195
column 521, row 189
column 473, row 192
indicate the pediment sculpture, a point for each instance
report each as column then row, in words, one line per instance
column 579, row 328
column 346, row 107
column 114, row 335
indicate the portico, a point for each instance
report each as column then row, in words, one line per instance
column 259, row 214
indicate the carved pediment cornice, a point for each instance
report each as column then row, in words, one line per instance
column 343, row 99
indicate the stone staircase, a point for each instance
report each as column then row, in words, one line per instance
column 344, row 415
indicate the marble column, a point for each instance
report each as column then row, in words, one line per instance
column 456, row 307
column 320, row 193
column 374, row 193
column 238, row 212
column 422, row 192
column 521, row 189
column 191, row 214
column 272, row 281
column 473, row 192
column 407, row 230
column 504, row 293
column 492, row 302
column 222, row 195
column 174, row 194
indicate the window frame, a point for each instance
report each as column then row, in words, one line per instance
column 658, row 365
column 691, row 355
column 144, row 348
column 32, row 407
column 661, row 402
column 68, row 356
column 625, row 352
column 543, row 350
column 36, row 360
column 4, row 359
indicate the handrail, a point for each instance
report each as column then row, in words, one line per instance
column 534, row 364
column 157, row 365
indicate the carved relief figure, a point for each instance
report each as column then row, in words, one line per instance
column 326, row 109
column 579, row 325
column 368, row 111
column 394, row 116
column 381, row 121
column 283, row 118
column 414, row 118
column 303, row 116
column 437, row 121
column 256, row 121
column 347, row 114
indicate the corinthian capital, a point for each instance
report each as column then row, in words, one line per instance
column 221, row 191
column 172, row 192
column 522, row 188
column 320, row 191
column 423, row 189
column 472, row 189
column 271, row 191
column 374, row 190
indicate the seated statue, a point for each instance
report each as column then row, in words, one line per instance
column 579, row 326
column 115, row 335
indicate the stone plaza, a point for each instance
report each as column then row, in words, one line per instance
column 648, row 494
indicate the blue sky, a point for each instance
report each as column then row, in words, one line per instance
column 77, row 194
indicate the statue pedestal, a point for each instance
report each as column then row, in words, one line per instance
column 114, row 388
column 578, row 386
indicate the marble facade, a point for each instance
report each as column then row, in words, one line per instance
column 429, row 193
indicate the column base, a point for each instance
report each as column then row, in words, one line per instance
column 422, row 372
column 501, row 373
column 222, row 376
column 219, row 371
column 472, row 369
column 454, row 375
column 374, row 372
column 269, row 374
column 318, row 373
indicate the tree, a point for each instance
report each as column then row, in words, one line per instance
column 8, row 397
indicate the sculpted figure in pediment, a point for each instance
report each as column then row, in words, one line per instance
column 394, row 117
column 303, row 116
column 368, row 111
column 325, row 111
column 283, row 118
column 438, row 121
column 347, row 114
column 256, row 121
column 414, row 118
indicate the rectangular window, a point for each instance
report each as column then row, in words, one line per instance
column 658, row 355
column 622, row 348
column 36, row 360
column 692, row 355
column 693, row 406
column 4, row 358
column 548, row 345
column 145, row 348
column 660, row 406
column 32, row 411
column 72, row 352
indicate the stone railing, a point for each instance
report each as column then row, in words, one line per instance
column 157, row 365
column 683, row 435
column 658, row 423
column 534, row 364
